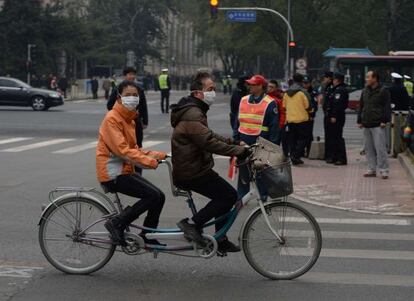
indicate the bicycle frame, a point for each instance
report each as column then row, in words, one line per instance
column 160, row 233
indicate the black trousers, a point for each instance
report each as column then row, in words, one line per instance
column 298, row 138
column 223, row 196
column 95, row 94
column 310, row 137
column 106, row 94
column 151, row 198
column 139, row 134
column 165, row 98
column 335, row 142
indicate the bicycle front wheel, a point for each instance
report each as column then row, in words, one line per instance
column 72, row 236
column 293, row 255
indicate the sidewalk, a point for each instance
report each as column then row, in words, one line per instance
column 344, row 187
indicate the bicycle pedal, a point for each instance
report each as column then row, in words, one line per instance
column 221, row 254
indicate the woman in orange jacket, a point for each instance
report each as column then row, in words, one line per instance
column 117, row 154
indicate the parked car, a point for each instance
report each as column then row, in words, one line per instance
column 14, row 92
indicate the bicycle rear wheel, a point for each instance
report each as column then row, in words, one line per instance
column 295, row 254
column 63, row 244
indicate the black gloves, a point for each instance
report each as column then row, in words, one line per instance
column 247, row 152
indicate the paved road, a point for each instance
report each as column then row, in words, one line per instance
column 364, row 257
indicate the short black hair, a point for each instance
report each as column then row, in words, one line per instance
column 298, row 78
column 197, row 82
column 129, row 70
column 273, row 81
column 127, row 83
column 375, row 74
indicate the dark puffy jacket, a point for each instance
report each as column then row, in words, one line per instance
column 193, row 143
column 374, row 107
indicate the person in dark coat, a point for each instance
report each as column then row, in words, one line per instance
column 337, row 103
column 63, row 85
column 399, row 95
column 236, row 97
column 94, row 87
column 307, row 85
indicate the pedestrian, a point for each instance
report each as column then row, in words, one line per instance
column 224, row 83
column 193, row 144
column 409, row 86
column 240, row 91
column 53, row 83
column 275, row 92
column 63, row 85
column 94, row 87
column 374, row 113
column 164, row 84
column 297, row 103
column 141, row 122
column 399, row 96
column 325, row 90
column 258, row 117
column 106, row 86
column 229, row 84
column 307, row 85
column 337, row 103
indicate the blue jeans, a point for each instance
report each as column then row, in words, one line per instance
column 243, row 185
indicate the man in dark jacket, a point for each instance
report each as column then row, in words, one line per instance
column 94, row 87
column 142, row 120
column 307, row 85
column 193, row 145
column 399, row 95
column 374, row 113
column 336, row 103
column 236, row 97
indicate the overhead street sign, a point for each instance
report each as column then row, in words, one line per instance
column 242, row 16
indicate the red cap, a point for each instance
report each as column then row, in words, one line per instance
column 257, row 80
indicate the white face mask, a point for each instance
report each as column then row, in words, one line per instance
column 209, row 97
column 130, row 102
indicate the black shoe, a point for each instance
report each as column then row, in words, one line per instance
column 191, row 232
column 152, row 242
column 116, row 230
column 297, row 162
column 330, row 161
column 226, row 246
column 340, row 163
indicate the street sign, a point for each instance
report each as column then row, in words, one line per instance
column 242, row 16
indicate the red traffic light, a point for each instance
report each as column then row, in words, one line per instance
column 292, row 44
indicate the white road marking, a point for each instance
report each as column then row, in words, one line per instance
column 356, row 235
column 77, row 148
column 151, row 143
column 18, row 271
column 358, row 279
column 12, row 140
column 36, row 145
column 354, row 221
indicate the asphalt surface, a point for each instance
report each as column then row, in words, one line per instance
column 364, row 257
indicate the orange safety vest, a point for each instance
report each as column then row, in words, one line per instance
column 251, row 116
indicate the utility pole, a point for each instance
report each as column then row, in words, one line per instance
column 29, row 62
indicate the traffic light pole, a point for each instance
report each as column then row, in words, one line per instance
column 29, row 61
column 290, row 31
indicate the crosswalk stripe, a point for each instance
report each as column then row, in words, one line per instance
column 77, row 148
column 151, row 143
column 356, row 235
column 36, row 145
column 13, row 140
column 352, row 253
column 354, row 221
column 359, row 279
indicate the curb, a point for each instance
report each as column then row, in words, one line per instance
column 407, row 162
column 307, row 201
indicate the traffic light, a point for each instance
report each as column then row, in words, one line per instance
column 214, row 8
column 292, row 48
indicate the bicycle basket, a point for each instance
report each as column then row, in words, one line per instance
column 266, row 153
column 278, row 179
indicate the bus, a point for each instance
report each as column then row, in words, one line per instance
column 354, row 67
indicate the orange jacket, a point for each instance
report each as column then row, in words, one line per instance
column 117, row 152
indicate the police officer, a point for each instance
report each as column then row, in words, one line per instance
column 324, row 92
column 409, row 86
column 336, row 104
column 165, row 86
column 307, row 85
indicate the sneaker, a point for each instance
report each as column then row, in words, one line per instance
column 297, row 162
column 384, row 175
column 116, row 231
column 370, row 174
column 191, row 232
column 226, row 246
